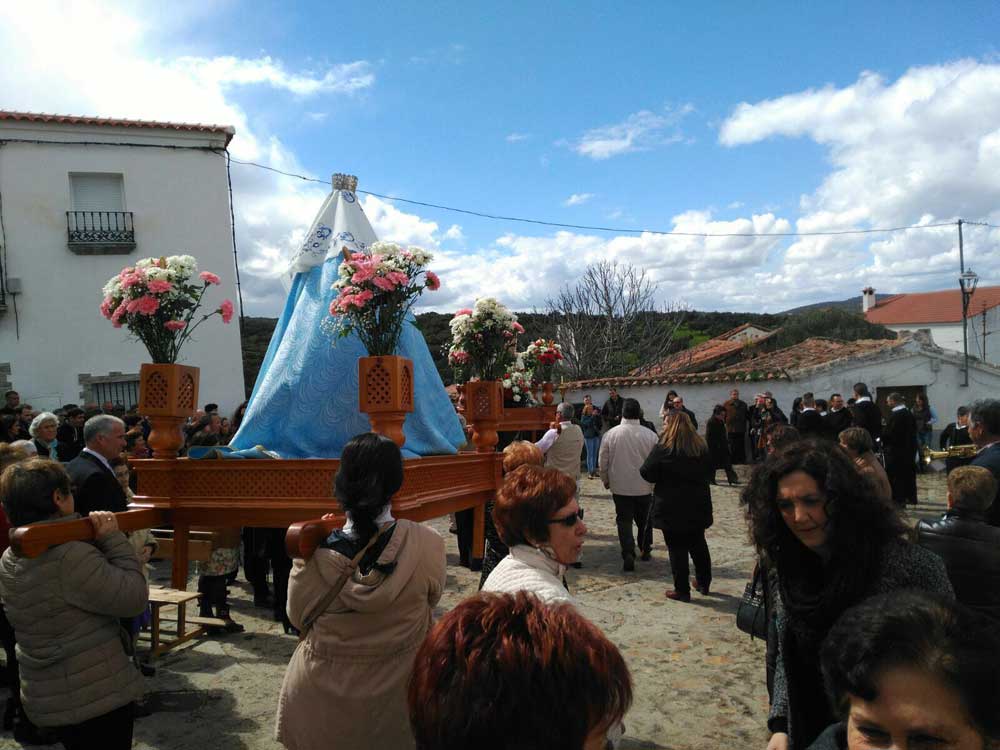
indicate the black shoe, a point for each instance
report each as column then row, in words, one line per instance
column 142, row 709
column 646, row 555
column 264, row 602
column 147, row 670
column 290, row 629
column 629, row 564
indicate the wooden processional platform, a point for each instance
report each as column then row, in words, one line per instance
column 295, row 493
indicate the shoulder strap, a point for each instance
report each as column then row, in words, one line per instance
column 334, row 590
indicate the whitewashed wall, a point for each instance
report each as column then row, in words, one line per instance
column 949, row 335
column 181, row 204
column 942, row 379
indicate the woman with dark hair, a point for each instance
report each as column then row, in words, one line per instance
column 363, row 604
column 65, row 606
column 538, row 517
column 911, row 669
column 518, row 453
column 828, row 543
column 796, row 412
column 9, row 428
column 509, row 671
column 680, row 467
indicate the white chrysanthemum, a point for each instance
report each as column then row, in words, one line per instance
column 420, row 256
column 387, row 249
column 155, row 273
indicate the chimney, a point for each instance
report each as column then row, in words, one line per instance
column 867, row 299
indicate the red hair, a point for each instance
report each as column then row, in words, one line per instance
column 529, row 497
column 508, row 671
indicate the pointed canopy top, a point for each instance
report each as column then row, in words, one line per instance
column 340, row 224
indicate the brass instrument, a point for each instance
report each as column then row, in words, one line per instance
column 958, row 451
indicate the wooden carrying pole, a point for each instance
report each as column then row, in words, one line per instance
column 32, row 541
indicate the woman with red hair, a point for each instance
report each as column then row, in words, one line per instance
column 539, row 519
column 508, row 671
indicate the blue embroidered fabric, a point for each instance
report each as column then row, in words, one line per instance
column 305, row 401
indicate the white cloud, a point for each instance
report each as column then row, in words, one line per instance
column 101, row 58
column 577, row 199
column 454, row 233
column 735, row 204
column 516, row 137
column 639, row 131
column 922, row 149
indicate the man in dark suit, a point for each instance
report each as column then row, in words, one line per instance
column 678, row 403
column 865, row 413
column 810, row 422
column 611, row 412
column 900, row 445
column 984, row 429
column 838, row 418
column 95, row 486
column 737, row 414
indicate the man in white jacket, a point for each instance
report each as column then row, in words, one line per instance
column 623, row 450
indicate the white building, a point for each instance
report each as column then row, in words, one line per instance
column 910, row 364
column 941, row 314
column 81, row 199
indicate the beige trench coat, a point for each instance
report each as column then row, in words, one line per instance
column 345, row 686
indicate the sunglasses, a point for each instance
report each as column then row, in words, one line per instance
column 569, row 520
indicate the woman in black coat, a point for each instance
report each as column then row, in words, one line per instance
column 717, row 437
column 681, row 468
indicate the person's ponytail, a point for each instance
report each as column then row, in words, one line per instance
column 370, row 473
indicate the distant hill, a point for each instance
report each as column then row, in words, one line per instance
column 850, row 305
column 836, row 320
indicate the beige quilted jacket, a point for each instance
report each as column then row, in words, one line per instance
column 64, row 606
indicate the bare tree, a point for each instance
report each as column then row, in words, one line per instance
column 609, row 323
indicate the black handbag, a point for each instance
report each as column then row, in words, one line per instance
column 751, row 616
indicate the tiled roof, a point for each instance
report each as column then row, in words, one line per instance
column 226, row 130
column 775, row 365
column 931, row 307
column 701, row 357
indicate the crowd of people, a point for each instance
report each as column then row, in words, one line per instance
column 878, row 635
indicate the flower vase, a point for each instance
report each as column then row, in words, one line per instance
column 547, row 395
column 168, row 394
column 483, row 407
column 385, row 394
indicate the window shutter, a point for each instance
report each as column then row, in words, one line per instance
column 97, row 192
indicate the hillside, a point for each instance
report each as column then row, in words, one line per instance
column 850, row 305
column 836, row 323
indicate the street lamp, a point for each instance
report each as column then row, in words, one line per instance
column 967, row 282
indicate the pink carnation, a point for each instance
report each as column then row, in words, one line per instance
column 363, row 273
column 175, row 325
column 118, row 314
column 398, row 277
column 433, row 282
column 518, row 328
column 136, row 277
column 106, row 307
column 208, row 277
column 463, row 311
column 362, row 297
column 145, row 305
column 159, row 287
column 226, row 308
column 384, row 283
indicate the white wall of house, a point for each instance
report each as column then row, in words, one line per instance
column 949, row 335
column 942, row 378
column 180, row 202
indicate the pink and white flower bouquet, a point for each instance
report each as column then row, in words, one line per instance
column 517, row 380
column 376, row 290
column 487, row 333
column 157, row 298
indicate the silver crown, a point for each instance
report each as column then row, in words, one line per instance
column 345, row 182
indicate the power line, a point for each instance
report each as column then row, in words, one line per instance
column 617, row 230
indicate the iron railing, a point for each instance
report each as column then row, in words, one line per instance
column 124, row 392
column 100, row 228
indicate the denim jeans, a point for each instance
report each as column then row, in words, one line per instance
column 593, row 450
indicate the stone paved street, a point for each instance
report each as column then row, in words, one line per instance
column 699, row 682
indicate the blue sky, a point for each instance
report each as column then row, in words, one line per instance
column 727, row 117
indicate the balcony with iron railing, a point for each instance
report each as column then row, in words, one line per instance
column 100, row 232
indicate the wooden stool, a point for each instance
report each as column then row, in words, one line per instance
column 186, row 627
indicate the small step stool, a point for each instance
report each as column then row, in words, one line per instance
column 186, row 627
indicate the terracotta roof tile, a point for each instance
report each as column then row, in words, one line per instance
column 226, row 130
column 931, row 307
column 701, row 357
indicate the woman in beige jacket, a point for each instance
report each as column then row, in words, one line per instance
column 363, row 604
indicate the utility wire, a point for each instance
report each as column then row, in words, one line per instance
column 619, row 230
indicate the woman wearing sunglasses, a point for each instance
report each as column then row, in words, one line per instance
column 539, row 519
